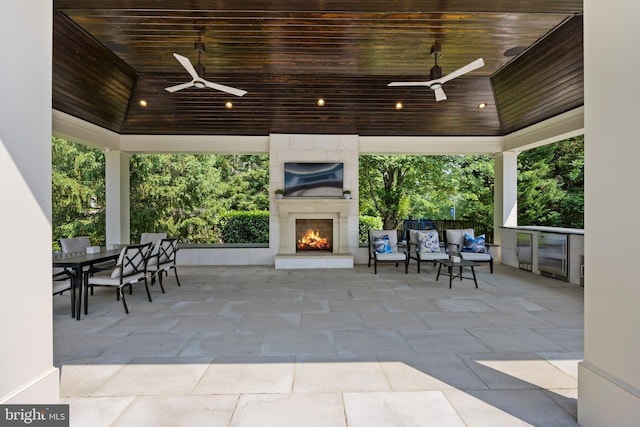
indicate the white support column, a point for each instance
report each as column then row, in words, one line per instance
column 27, row 374
column 609, row 376
column 117, row 197
column 505, row 197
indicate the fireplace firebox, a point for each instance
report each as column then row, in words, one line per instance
column 314, row 235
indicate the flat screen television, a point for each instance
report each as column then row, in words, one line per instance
column 313, row 179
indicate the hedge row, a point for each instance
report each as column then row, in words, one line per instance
column 253, row 227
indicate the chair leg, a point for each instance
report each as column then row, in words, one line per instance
column 85, row 284
column 73, row 305
column 159, row 272
column 375, row 266
column 491, row 266
column 124, row 303
column 146, row 286
column 175, row 271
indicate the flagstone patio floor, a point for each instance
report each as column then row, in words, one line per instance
column 256, row 346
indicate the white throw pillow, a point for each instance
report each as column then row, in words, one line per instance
column 428, row 241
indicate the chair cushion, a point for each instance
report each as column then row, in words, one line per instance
column 393, row 256
column 61, row 285
column 474, row 256
column 428, row 241
column 152, row 237
column 474, row 244
column 107, row 280
column 75, row 244
column 432, row 256
column 382, row 245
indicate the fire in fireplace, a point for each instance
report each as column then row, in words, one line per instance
column 314, row 234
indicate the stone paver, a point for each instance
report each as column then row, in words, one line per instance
column 255, row 346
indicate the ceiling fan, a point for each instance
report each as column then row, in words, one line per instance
column 437, row 80
column 197, row 75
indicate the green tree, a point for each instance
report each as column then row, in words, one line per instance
column 551, row 185
column 177, row 194
column 77, row 184
column 391, row 184
column 189, row 195
column 475, row 182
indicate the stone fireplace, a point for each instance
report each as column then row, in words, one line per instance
column 292, row 216
column 314, row 234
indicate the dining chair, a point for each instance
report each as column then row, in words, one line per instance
column 61, row 282
column 74, row 244
column 131, row 268
column 152, row 237
column 162, row 260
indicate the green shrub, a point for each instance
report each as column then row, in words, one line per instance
column 244, row 227
column 367, row 223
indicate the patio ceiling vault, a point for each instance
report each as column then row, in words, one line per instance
column 109, row 55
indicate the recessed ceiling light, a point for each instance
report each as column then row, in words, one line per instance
column 229, row 105
column 143, row 103
column 482, row 106
column 399, row 105
column 320, row 102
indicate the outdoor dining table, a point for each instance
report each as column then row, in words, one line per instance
column 76, row 262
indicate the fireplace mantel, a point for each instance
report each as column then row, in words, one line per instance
column 290, row 209
column 296, row 205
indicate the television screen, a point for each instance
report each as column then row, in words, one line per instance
column 313, row 179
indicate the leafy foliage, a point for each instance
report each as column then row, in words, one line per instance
column 365, row 224
column 243, row 227
column 188, row 195
column 551, row 185
column 216, row 198
column 390, row 184
column 78, row 185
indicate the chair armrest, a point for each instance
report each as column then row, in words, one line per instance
column 63, row 275
column 489, row 246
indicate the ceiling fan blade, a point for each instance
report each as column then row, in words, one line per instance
column 178, row 87
column 408, row 84
column 440, row 96
column 223, row 88
column 187, row 66
column 460, row 71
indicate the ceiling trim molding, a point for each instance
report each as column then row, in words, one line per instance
column 66, row 126
column 434, row 145
column 218, row 144
column 555, row 129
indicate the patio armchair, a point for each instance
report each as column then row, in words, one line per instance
column 383, row 247
column 163, row 259
column 131, row 268
column 463, row 242
column 425, row 246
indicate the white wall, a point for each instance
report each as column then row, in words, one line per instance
column 26, row 369
column 609, row 377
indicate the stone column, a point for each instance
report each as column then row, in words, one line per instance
column 117, row 197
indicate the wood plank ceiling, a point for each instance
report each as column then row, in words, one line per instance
column 110, row 54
